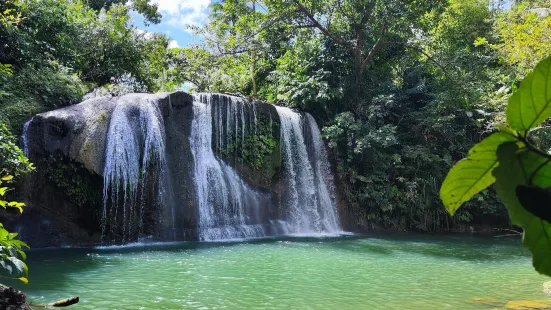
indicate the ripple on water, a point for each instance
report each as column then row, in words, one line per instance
column 349, row 272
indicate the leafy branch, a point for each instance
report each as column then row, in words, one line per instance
column 519, row 170
column 12, row 163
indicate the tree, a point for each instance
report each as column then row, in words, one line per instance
column 242, row 32
column 525, row 33
column 152, row 69
column 196, row 66
column 360, row 26
column 144, row 7
column 8, row 20
column 54, row 51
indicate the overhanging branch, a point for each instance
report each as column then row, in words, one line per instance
column 316, row 24
column 373, row 49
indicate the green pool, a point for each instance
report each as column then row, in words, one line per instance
column 349, row 272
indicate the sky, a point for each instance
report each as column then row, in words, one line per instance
column 176, row 15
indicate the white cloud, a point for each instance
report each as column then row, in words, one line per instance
column 180, row 13
column 173, row 44
column 146, row 34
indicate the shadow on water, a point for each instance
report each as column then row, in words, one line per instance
column 447, row 246
column 54, row 267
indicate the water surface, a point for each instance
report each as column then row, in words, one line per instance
column 349, row 272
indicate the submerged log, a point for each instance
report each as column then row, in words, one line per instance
column 61, row 303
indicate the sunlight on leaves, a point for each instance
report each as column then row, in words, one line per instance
column 473, row 174
column 531, row 104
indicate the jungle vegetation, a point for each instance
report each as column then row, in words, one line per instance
column 402, row 89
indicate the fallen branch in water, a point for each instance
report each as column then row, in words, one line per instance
column 508, row 235
column 58, row 304
column 513, row 233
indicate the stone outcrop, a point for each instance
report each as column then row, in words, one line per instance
column 12, row 299
column 79, row 132
column 68, row 145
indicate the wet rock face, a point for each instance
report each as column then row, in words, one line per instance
column 119, row 168
column 77, row 136
column 177, row 113
column 248, row 139
column 80, row 131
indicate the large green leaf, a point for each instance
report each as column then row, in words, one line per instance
column 517, row 168
column 11, row 263
column 531, row 104
column 472, row 174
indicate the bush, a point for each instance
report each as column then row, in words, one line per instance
column 13, row 163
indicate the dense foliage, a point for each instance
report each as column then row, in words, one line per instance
column 520, row 170
column 402, row 89
column 12, row 163
column 52, row 52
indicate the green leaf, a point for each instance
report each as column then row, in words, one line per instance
column 3, row 234
column 24, row 280
column 480, row 41
column 7, row 178
column 22, row 254
column 25, row 268
column 505, row 129
column 531, row 103
column 473, row 174
column 515, row 169
column 18, row 205
column 20, row 244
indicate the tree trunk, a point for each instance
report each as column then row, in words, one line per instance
column 253, row 68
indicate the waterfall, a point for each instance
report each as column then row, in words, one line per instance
column 324, row 179
column 222, row 196
column 135, row 143
column 25, row 137
column 208, row 167
column 309, row 202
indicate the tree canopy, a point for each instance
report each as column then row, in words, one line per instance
column 402, row 89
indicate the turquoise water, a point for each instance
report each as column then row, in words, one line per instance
column 349, row 272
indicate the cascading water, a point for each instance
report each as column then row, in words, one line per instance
column 25, row 137
column 323, row 178
column 239, row 169
column 135, row 144
column 309, row 202
column 222, row 196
